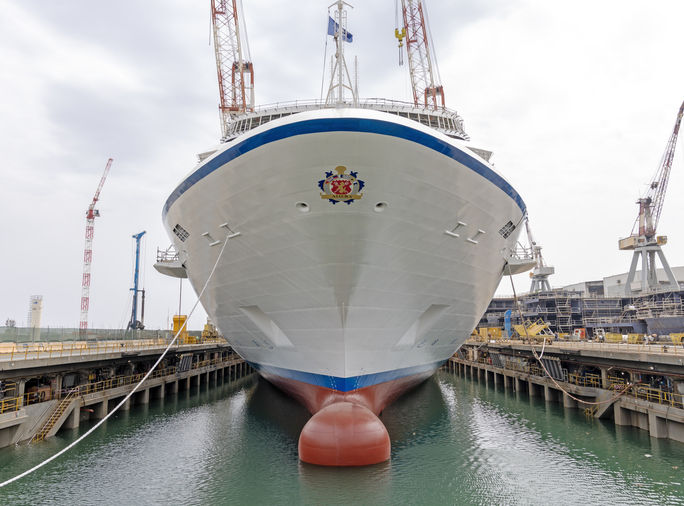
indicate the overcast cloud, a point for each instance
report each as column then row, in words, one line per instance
column 576, row 99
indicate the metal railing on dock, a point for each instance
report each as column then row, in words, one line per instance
column 617, row 383
column 35, row 351
column 656, row 347
column 16, row 403
column 585, row 380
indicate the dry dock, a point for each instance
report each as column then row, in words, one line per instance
column 634, row 385
column 45, row 387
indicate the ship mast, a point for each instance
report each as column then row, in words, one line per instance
column 339, row 77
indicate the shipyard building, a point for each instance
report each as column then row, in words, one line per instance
column 597, row 306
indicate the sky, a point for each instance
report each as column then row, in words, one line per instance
column 577, row 100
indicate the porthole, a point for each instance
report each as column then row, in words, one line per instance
column 303, row 207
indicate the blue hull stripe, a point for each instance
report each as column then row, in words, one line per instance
column 345, row 384
column 344, row 125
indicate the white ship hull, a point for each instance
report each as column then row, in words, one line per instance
column 346, row 296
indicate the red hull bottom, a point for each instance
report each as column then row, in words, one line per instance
column 345, row 429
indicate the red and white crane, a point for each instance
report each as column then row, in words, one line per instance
column 423, row 70
column 233, row 63
column 91, row 214
column 643, row 239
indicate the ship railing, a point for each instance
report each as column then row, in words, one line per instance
column 520, row 252
column 442, row 118
column 167, row 255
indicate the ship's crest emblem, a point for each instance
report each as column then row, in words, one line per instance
column 340, row 187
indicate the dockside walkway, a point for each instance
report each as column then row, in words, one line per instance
column 625, row 400
column 35, row 416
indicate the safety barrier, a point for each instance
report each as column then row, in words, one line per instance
column 658, row 396
column 36, row 351
column 119, row 381
column 585, row 380
column 655, row 347
column 15, row 403
column 11, row 404
column 616, row 383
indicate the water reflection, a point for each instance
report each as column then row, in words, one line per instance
column 454, row 441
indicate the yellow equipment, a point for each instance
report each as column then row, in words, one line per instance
column 178, row 322
column 613, row 337
column 533, row 328
column 209, row 331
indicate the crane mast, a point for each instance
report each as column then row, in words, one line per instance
column 427, row 91
column 541, row 272
column 91, row 214
column 643, row 240
column 234, row 69
column 134, row 323
column 340, row 80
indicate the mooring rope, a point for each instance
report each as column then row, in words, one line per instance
column 534, row 352
column 161, row 357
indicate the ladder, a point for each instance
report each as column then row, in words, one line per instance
column 591, row 411
column 54, row 416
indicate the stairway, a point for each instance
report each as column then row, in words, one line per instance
column 591, row 411
column 607, row 398
column 54, row 416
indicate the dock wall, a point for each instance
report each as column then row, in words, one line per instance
column 662, row 417
column 94, row 400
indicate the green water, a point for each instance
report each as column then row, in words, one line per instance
column 453, row 442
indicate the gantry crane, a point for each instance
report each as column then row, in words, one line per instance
column 643, row 240
column 233, row 64
column 91, row 214
column 423, row 70
column 541, row 272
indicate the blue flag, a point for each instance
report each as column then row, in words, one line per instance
column 333, row 27
column 507, row 324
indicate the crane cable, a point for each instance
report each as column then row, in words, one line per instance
column 161, row 357
column 534, row 352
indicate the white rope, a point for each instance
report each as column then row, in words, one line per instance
column 161, row 357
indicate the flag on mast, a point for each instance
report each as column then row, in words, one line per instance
column 333, row 26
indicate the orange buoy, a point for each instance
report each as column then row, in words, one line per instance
column 344, row 434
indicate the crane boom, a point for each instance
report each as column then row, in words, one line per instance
column 233, row 66
column 91, row 214
column 643, row 239
column 652, row 205
column 427, row 91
